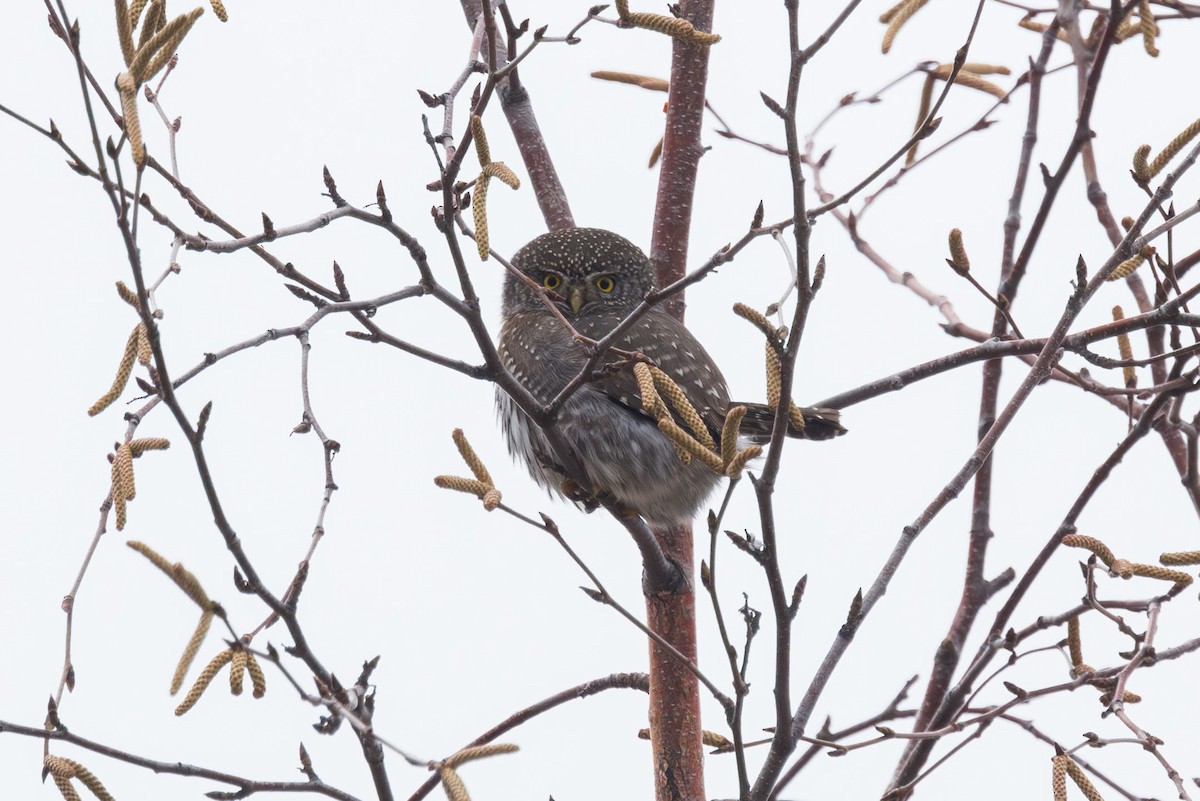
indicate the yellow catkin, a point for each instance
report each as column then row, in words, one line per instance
column 471, row 486
column 1081, row 780
column 479, row 214
column 644, row 81
column 958, row 253
column 135, row 11
column 795, row 416
column 1106, row 699
column 1148, row 27
column 1141, row 165
column 1125, row 348
column 684, row 440
column 886, row 16
column 738, row 463
column 92, row 783
column 452, row 783
column 155, row 54
column 237, row 671
column 1177, row 577
column 491, row 499
column 651, row 402
column 715, row 740
column 1058, row 777
column 470, row 457
column 970, row 80
column 123, row 473
column 757, row 319
column 1122, row 567
column 190, row 585
column 64, row 769
column 258, row 681
column 176, row 572
column 154, row 21
column 144, row 353
column 922, row 112
column 897, row 18
column 219, row 9
column 1033, row 25
column 124, row 32
column 986, row 69
column 1074, row 643
column 140, row 446
column 1181, row 558
column 1172, row 149
column 190, row 650
column 729, row 434
column 655, row 154
column 774, row 380
column 1126, row 30
column 474, row 752
column 64, row 786
column 127, row 88
column 120, row 512
column 1130, row 265
column 1092, row 544
column 502, row 172
column 482, row 150
column 128, row 295
column 124, row 369
column 679, row 400
column 203, row 680
column 675, row 27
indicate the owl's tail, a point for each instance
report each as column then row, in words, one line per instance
column 819, row 423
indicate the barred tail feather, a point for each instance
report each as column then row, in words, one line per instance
column 819, row 423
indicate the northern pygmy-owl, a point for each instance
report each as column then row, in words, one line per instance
column 596, row 278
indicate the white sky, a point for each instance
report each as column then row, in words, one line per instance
column 474, row 615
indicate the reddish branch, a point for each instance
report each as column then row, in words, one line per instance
column 675, row 729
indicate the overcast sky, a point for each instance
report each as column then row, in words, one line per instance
column 476, row 615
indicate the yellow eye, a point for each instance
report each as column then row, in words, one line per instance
column 551, row 281
column 605, row 283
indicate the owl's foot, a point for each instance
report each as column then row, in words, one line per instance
column 579, row 495
column 609, row 500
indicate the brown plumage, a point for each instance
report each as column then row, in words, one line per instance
column 598, row 278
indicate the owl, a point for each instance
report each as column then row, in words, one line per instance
column 596, row 278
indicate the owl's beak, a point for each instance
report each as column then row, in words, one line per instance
column 576, row 298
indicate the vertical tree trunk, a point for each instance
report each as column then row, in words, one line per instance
column 674, row 692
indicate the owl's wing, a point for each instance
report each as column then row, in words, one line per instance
column 677, row 353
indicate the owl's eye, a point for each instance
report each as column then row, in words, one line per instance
column 551, row 281
column 605, row 283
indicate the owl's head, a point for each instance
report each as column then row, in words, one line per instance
column 585, row 270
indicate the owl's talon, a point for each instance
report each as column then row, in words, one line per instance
column 574, row 492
